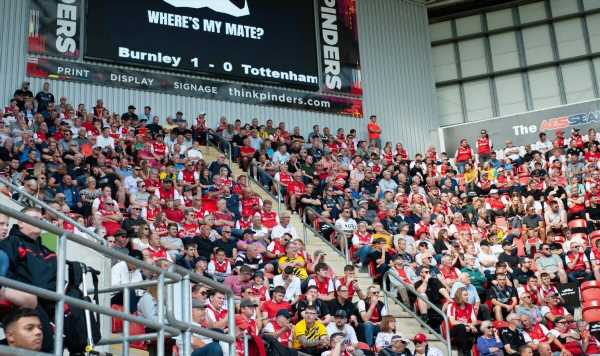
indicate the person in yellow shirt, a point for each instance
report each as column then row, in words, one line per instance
column 471, row 174
column 309, row 334
column 380, row 233
column 294, row 260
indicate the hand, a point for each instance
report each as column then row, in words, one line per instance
column 374, row 299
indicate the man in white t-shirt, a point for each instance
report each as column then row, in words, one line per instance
column 105, row 140
column 284, row 227
column 290, row 282
column 341, row 326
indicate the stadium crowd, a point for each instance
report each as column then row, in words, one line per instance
column 489, row 235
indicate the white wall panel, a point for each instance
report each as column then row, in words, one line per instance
column 563, row 7
column 478, row 100
column 450, row 107
column 499, row 19
column 593, row 24
column 440, row 30
column 544, row 88
column 591, row 4
column 537, row 44
column 444, row 62
column 532, row 12
column 472, row 57
column 511, row 96
column 569, row 38
column 597, row 69
column 578, row 81
column 505, row 54
column 396, row 60
column 468, row 25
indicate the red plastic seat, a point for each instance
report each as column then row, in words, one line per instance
column 591, row 311
column 117, row 324
column 590, row 284
column 577, row 224
column 590, row 294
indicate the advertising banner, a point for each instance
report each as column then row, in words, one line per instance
column 341, row 71
column 180, row 85
column 263, row 41
column 525, row 128
column 54, row 27
column 570, row 294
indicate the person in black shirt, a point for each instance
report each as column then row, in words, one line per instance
column 32, row 263
column 538, row 171
column 227, row 242
column 134, row 220
column 435, row 292
column 311, row 299
column 509, row 255
column 44, row 97
column 187, row 260
column 593, row 212
column 205, row 246
column 343, row 302
column 512, row 337
column 311, row 198
column 130, row 114
column 369, row 186
column 22, row 94
column 522, row 273
column 504, row 297
column 154, row 128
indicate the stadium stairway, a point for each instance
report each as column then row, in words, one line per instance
column 405, row 324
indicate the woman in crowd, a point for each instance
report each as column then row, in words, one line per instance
column 489, row 343
column 463, row 319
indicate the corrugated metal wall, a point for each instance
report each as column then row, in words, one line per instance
column 397, row 74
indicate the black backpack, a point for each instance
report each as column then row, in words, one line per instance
column 75, row 329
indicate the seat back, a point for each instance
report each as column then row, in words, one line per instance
column 577, row 224
column 590, row 294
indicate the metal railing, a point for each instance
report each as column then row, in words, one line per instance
column 220, row 141
column 83, row 229
column 308, row 225
column 410, row 289
column 255, row 177
column 172, row 327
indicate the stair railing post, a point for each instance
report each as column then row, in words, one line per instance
column 59, row 309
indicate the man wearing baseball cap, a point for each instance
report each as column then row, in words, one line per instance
column 397, row 347
column 422, row 348
column 340, row 325
column 203, row 345
column 247, row 311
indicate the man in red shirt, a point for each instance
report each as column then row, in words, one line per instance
column 296, row 190
column 578, row 265
column 280, row 327
column 247, row 310
column 268, row 217
column 270, row 308
column 374, row 132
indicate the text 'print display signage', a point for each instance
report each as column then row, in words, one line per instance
column 54, row 27
column 341, row 71
column 266, row 41
column 200, row 88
